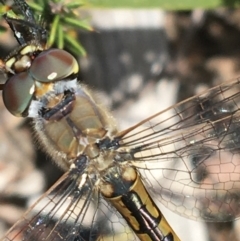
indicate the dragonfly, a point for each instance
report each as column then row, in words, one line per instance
column 186, row 157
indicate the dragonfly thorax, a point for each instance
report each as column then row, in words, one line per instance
column 74, row 125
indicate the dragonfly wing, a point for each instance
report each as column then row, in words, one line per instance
column 189, row 154
column 68, row 213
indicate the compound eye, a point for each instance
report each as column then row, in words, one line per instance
column 52, row 65
column 17, row 93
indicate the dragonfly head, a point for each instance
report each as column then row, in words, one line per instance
column 33, row 69
column 31, row 73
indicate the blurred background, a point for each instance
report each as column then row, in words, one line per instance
column 139, row 61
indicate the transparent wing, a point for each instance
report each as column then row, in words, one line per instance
column 189, row 154
column 68, row 213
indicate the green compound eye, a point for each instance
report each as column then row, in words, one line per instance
column 18, row 92
column 52, row 65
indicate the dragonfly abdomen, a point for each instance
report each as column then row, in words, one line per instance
column 123, row 188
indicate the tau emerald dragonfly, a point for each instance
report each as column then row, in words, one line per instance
column 188, row 161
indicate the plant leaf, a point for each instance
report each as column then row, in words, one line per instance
column 164, row 4
column 74, row 45
column 78, row 23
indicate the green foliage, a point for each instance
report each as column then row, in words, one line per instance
column 165, row 4
column 61, row 18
